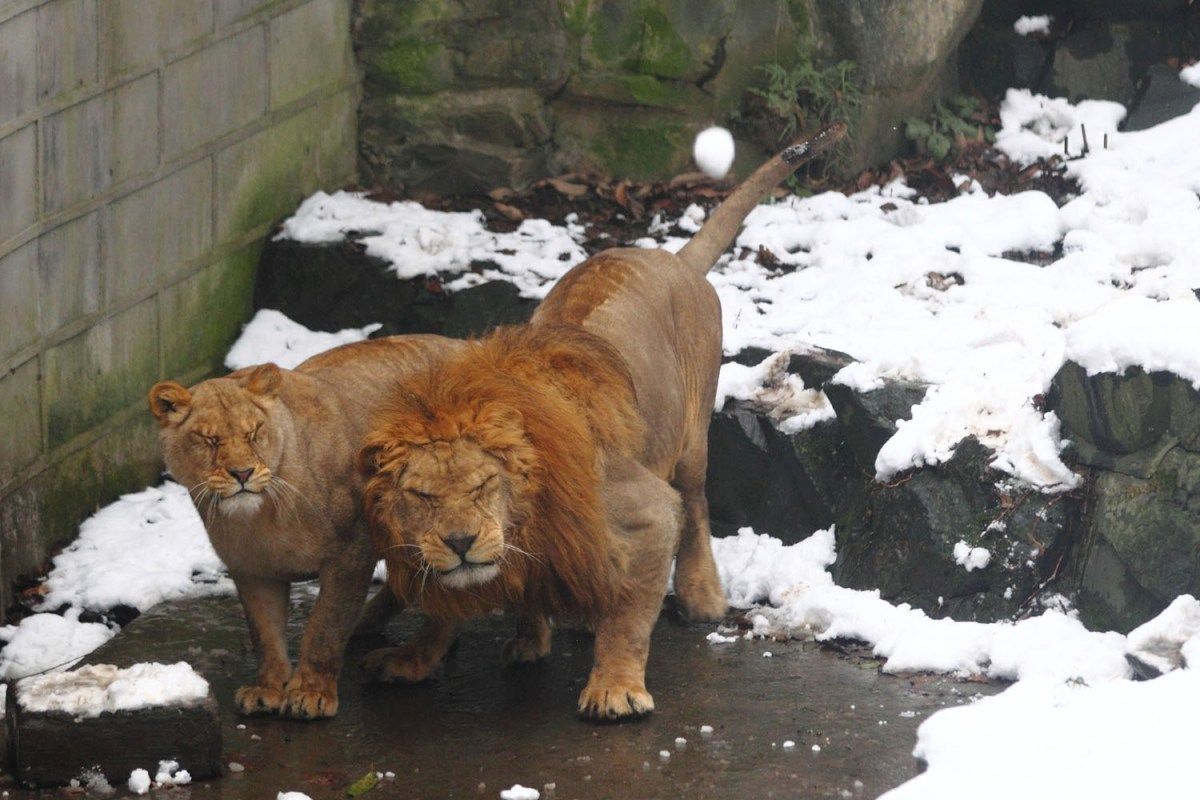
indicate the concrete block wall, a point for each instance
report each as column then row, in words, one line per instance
column 146, row 148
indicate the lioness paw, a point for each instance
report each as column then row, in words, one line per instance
column 256, row 699
column 610, row 701
column 302, row 703
column 524, row 650
column 398, row 665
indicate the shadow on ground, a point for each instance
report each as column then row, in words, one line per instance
column 479, row 729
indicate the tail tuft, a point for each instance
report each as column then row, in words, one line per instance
column 718, row 233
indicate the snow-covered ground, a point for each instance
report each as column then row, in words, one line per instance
column 912, row 290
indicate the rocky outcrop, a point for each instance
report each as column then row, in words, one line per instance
column 467, row 96
column 1094, row 50
column 1138, row 434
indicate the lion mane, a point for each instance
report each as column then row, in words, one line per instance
column 552, row 403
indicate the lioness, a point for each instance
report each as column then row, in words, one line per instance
column 268, row 455
column 540, row 469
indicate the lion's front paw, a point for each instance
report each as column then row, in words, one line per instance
column 312, row 697
column 399, row 665
column 255, row 699
column 607, row 700
column 525, row 649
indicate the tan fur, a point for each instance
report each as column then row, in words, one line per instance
column 294, row 436
column 512, row 478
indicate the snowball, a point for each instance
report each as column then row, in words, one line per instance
column 1033, row 24
column 713, row 151
column 1191, row 75
column 139, row 781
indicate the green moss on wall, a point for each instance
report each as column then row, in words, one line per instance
column 412, row 65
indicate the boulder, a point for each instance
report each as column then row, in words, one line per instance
column 1115, row 421
column 1145, row 534
column 1127, row 9
column 1102, row 60
column 869, row 418
column 993, row 59
column 900, row 538
column 335, row 286
column 1160, row 97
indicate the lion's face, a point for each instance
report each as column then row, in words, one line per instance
column 218, row 439
column 453, row 507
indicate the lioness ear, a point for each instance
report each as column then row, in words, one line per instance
column 263, row 380
column 169, row 402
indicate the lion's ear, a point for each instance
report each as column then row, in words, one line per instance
column 262, row 380
column 169, row 402
column 374, row 453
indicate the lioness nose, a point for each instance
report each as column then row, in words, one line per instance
column 460, row 543
column 242, row 475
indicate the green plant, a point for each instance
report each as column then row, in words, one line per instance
column 807, row 96
column 949, row 127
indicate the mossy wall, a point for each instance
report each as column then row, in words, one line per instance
column 620, row 87
column 143, row 159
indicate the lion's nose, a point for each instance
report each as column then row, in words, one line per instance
column 460, row 543
column 241, row 475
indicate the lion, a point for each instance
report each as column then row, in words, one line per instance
column 269, row 455
column 556, row 469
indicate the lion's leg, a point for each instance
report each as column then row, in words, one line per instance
column 312, row 692
column 697, row 584
column 378, row 612
column 532, row 642
column 416, row 659
column 265, row 603
column 644, row 512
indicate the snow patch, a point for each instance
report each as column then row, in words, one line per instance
column 416, row 241
column 103, row 688
column 43, row 642
column 1159, row 643
column 971, row 558
column 519, row 792
column 271, row 336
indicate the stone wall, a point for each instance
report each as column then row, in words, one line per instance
column 468, row 95
column 146, row 147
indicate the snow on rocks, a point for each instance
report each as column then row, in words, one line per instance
column 103, row 688
column 271, row 336
column 292, row 796
column 769, row 386
column 416, row 241
column 714, row 151
column 519, row 792
column 1158, row 646
column 804, row 601
column 971, row 558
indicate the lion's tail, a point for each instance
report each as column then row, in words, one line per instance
column 722, row 226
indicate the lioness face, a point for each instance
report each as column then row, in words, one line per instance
column 453, row 506
column 217, row 439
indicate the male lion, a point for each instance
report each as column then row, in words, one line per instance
column 268, row 455
column 540, row 469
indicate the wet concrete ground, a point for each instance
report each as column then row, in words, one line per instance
column 479, row 729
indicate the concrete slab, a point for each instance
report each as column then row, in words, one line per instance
column 479, row 729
